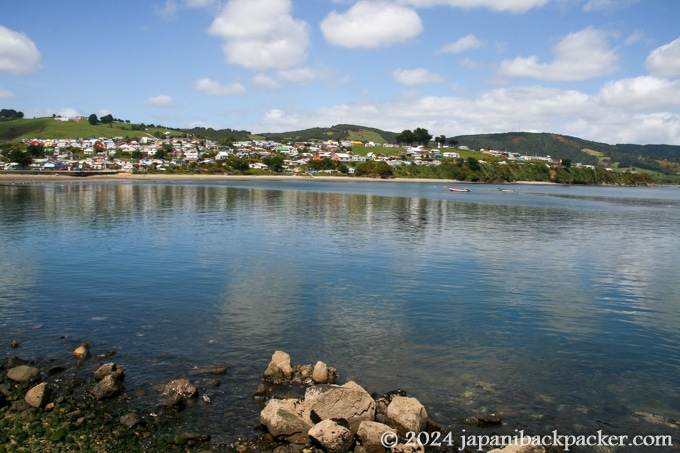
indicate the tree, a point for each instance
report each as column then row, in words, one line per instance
column 566, row 163
column 406, row 137
column 107, row 119
column 18, row 156
column 93, row 120
column 440, row 140
column 275, row 163
column 422, row 136
column 36, row 151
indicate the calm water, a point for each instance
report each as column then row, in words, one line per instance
column 557, row 306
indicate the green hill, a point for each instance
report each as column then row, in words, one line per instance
column 337, row 132
column 46, row 128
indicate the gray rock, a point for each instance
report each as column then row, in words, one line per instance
column 370, row 434
column 38, row 396
column 287, row 419
column 406, row 414
column 23, row 373
column 108, row 387
column 333, row 437
column 131, row 420
column 176, row 393
column 110, row 369
column 349, row 401
column 210, row 371
column 82, row 352
column 181, row 387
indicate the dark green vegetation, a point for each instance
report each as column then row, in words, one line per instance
column 337, row 132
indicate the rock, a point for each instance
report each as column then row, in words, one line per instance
column 110, row 369
column 108, row 387
column 14, row 344
column 402, row 448
column 177, row 392
column 131, row 420
column 286, row 419
column 38, row 395
column 370, row 434
column 349, row 401
column 23, row 373
column 279, row 369
column 82, row 352
column 210, row 371
column 320, row 373
column 484, row 420
column 181, row 387
column 406, row 414
column 333, row 437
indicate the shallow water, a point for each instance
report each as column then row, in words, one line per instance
column 557, row 306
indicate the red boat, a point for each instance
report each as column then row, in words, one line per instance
column 455, row 189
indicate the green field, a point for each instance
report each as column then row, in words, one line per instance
column 47, row 128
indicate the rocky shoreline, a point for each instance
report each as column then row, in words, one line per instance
column 83, row 405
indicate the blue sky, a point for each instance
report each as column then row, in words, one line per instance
column 603, row 70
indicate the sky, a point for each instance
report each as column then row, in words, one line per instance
column 602, row 70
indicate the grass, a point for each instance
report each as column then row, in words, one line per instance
column 46, row 128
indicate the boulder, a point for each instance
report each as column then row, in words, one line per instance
column 181, row 387
column 371, row 436
column 82, row 352
column 406, row 414
column 38, row 396
column 132, row 420
column 320, row 373
column 332, row 436
column 287, row 419
column 349, row 401
column 23, row 373
column 110, row 369
column 108, row 387
column 279, row 369
column 177, row 392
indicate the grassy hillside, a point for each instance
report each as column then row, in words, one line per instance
column 337, row 132
column 45, row 128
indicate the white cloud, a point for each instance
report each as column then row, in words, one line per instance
column 371, row 25
column 170, row 8
column 642, row 94
column 162, row 100
column 511, row 6
column 18, row 54
column 208, row 86
column 463, row 44
column 609, row 5
column 416, row 76
column 265, row 81
column 6, row 94
column 297, row 75
column 579, row 56
column 664, row 61
column 261, row 34
column 531, row 108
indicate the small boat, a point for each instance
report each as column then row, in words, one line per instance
column 506, row 190
column 455, row 189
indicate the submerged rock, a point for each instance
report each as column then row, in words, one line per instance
column 23, row 373
column 107, row 387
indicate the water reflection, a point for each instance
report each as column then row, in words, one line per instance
column 554, row 299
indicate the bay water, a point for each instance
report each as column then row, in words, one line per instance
column 555, row 306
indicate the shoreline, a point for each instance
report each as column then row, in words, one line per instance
column 9, row 179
